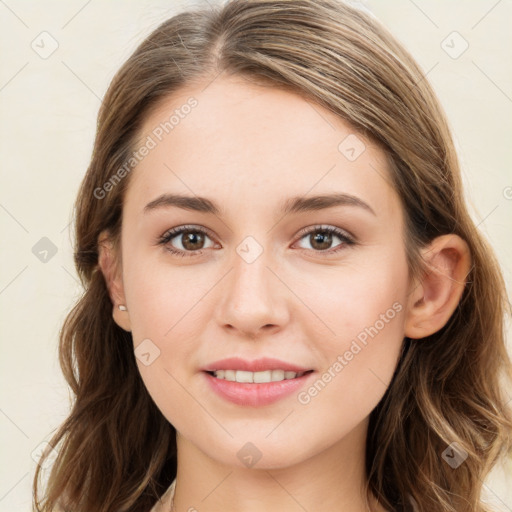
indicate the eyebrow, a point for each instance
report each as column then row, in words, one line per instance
column 291, row 205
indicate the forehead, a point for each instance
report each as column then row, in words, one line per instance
column 242, row 140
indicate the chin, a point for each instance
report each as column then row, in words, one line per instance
column 254, row 453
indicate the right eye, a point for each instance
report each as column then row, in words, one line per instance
column 188, row 237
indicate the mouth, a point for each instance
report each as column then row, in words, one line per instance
column 260, row 377
column 257, row 382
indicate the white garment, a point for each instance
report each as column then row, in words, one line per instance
column 164, row 504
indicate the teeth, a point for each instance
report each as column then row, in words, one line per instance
column 256, row 377
column 277, row 375
column 262, row 377
column 244, row 376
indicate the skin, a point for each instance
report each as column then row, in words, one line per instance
column 249, row 148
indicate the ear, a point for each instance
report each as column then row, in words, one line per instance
column 109, row 262
column 434, row 298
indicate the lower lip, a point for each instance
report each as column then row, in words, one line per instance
column 251, row 394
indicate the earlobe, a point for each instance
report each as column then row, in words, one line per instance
column 435, row 297
column 109, row 263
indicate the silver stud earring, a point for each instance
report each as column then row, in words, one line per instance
column 122, row 307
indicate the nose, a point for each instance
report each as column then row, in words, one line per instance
column 253, row 298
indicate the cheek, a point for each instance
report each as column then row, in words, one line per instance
column 166, row 310
column 363, row 307
column 357, row 364
column 162, row 296
column 349, row 300
column 168, row 306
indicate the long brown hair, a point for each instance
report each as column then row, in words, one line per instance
column 116, row 451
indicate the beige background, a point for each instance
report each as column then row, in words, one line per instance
column 49, row 106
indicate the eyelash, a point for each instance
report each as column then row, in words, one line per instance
column 172, row 233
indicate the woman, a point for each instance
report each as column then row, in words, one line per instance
column 287, row 305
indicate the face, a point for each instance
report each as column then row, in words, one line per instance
column 319, row 285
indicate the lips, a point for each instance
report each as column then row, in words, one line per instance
column 258, row 365
column 255, row 383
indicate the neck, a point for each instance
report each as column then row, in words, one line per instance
column 333, row 480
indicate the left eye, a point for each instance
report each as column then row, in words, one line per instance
column 192, row 239
column 320, row 238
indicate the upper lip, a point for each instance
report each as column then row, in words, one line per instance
column 257, row 365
